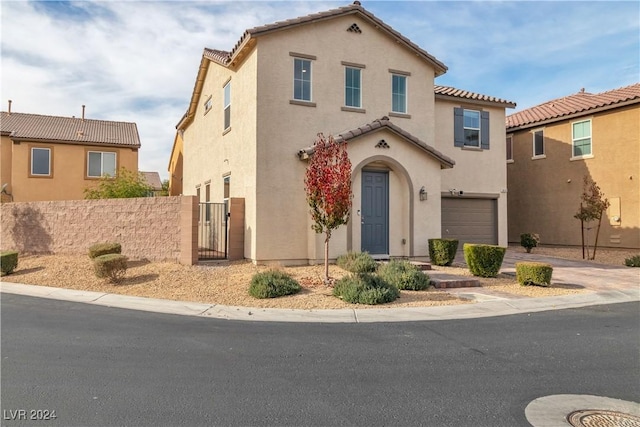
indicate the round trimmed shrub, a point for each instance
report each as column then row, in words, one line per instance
column 110, row 266
column 8, row 262
column 357, row 262
column 404, row 275
column 483, row 260
column 442, row 251
column 533, row 273
column 103, row 249
column 365, row 288
column 272, row 284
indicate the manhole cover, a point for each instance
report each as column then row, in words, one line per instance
column 602, row 418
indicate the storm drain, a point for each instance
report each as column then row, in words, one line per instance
column 601, row 418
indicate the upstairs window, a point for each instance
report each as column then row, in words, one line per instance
column 207, row 105
column 301, row 79
column 227, row 106
column 471, row 128
column 40, row 161
column 538, row 144
column 399, row 93
column 100, row 164
column 509, row 149
column 353, row 87
column 581, row 138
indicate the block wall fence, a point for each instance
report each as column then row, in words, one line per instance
column 153, row 228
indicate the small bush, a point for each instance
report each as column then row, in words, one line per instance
column 634, row 261
column 365, row 288
column 104, row 249
column 8, row 262
column 442, row 251
column 272, row 284
column 110, row 266
column 404, row 275
column 529, row 241
column 357, row 262
column 483, row 260
column 533, row 273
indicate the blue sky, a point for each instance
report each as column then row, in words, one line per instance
column 136, row 61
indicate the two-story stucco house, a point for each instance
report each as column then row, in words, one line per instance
column 428, row 161
column 554, row 145
column 55, row 158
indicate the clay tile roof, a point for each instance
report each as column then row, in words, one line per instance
column 224, row 58
column 385, row 123
column 446, row 91
column 153, row 179
column 578, row 104
column 71, row 130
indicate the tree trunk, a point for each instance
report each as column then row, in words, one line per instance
column 595, row 245
column 326, row 258
column 582, row 231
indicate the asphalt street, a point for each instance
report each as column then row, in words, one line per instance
column 101, row 366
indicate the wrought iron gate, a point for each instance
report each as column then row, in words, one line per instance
column 212, row 231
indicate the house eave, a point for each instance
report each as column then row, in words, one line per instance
column 453, row 98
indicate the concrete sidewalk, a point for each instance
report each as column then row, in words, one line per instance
column 609, row 285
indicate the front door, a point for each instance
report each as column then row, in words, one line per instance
column 375, row 212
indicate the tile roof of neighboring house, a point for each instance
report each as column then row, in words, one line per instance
column 153, row 179
column 578, row 104
column 71, row 130
column 380, row 124
column 447, row 91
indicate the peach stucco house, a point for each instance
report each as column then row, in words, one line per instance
column 55, row 158
column 554, row 145
column 428, row 161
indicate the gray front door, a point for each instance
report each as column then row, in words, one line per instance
column 375, row 212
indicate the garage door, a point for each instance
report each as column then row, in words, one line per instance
column 470, row 220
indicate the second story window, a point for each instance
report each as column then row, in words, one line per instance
column 40, row 161
column 471, row 128
column 301, row 79
column 581, row 138
column 207, row 105
column 509, row 149
column 353, row 87
column 227, row 106
column 398, row 93
column 100, row 164
column 538, row 143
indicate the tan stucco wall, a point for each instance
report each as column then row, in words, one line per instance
column 476, row 172
column 544, row 194
column 176, row 169
column 68, row 179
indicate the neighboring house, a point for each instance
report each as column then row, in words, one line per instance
column 553, row 146
column 428, row 161
column 175, row 166
column 153, row 179
column 56, row 158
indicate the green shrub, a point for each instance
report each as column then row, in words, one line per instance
column 365, row 288
column 483, row 260
column 103, row 249
column 442, row 251
column 110, row 266
column 529, row 241
column 634, row 261
column 272, row 284
column 403, row 275
column 534, row 273
column 8, row 262
column 357, row 262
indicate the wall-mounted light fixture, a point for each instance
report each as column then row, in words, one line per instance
column 423, row 194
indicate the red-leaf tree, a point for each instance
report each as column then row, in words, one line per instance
column 328, row 188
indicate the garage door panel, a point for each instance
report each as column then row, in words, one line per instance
column 470, row 220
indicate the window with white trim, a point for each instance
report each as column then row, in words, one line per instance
column 471, row 128
column 353, row 87
column 40, row 161
column 509, row 148
column 538, row 143
column 581, row 139
column 208, row 104
column 301, row 79
column 101, row 163
column 227, row 106
column 398, row 93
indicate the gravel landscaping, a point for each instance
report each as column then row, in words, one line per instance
column 227, row 283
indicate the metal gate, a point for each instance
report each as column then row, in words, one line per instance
column 212, row 231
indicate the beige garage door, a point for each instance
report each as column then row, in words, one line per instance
column 470, row 220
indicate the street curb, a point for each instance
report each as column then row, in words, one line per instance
column 502, row 307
